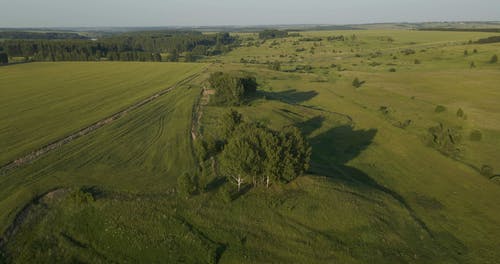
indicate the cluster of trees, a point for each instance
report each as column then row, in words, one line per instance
column 257, row 154
column 138, row 46
column 494, row 59
column 336, row 38
column 251, row 153
column 232, row 88
column 488, row 40
column 272, row 33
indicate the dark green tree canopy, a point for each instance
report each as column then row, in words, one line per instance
column 4, row 59
column 258, row 154
column 135, row 46
column 272, row 33
column 232, row 88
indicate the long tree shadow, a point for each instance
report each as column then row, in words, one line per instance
column 291, row 96
column 333, row 149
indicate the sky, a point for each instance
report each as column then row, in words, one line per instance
column 126, row 13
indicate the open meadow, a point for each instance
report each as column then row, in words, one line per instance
column 405, row 134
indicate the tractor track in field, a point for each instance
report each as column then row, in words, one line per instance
column 89, row 129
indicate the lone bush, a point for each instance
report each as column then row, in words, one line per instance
column 357, row 83
column 392, row 70
column 440, row 109
column 494, row 59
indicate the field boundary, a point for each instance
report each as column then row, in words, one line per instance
column 89, row 129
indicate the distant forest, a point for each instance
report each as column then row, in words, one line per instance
column 39, row 35
column 135, row 46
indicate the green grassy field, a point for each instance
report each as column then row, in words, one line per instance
column 376, row 192
column 42, row 102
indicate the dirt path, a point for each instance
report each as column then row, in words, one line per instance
column 203, row 100
column 89, row 129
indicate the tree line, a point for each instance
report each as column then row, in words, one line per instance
column 272, row 33
column 137, row 46
column 39, row 35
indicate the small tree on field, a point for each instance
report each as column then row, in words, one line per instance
column 357, row 83
column 440, row 109
column 494, row 59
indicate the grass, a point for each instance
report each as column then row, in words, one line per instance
column 42, row 102
column 375, row 193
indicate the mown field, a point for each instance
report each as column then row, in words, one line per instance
column 45, row 101
column 378, row 190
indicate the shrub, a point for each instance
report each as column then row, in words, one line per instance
column 403, row 124
column 476, row 135
column 417, row 61
column 392, row 70
column 357, row 83
column 440, row 109
column 494, row 59
column 81, row 197
column 408, row 51
column 384, row 110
